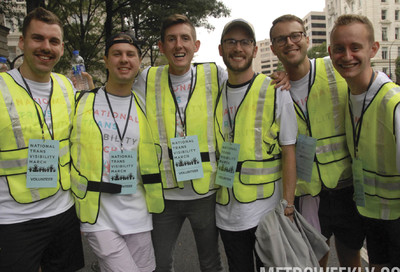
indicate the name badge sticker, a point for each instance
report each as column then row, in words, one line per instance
column 358, row 181
column 123, row 170
column 187, row 159
column 42, row 169
column 227, row 164
column 305, row 153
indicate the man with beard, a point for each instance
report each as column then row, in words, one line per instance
column 248, row 118
column 38, row 224
column 324, row 179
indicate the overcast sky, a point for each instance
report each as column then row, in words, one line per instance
column 260, row 13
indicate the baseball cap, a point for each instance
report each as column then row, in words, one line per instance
column 242, row 23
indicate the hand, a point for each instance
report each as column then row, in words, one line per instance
column 289, row 212
column 281, row 79
column 89, row 79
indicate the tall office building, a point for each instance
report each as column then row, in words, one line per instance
column 385, row 17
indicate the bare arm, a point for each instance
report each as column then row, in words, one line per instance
column 289, row 176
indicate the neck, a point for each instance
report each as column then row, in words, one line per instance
column 119, row 89
column 28, row 74
column 297, row 72
column 237, row 78
column 177, row 71
column 360, row 84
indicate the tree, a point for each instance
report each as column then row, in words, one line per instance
column 397, row 70
column 318, row 51
column 88, row 23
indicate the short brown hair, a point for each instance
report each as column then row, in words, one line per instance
column 174, row 20
column 348, row 19
column 42, row 15
column 286, row 18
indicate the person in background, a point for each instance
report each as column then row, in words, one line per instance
column 250, row 114
column 323, row 162
column 38, row 224
column 372, row 121
column 115, row 175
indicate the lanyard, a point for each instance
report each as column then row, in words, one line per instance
column 121, row 137
column 305, row 117
column 232, row 121
column 41, row 122
column 183, row 120
column 357, row 127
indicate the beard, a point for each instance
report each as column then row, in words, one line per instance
column 239, row 69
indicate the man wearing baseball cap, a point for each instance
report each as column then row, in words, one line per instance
column 248, row 121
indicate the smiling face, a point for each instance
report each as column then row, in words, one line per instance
column 123, row 63
column 351, row 51
column 290, row 54
column 237, row 57
column 179, row 47
column 43, row 47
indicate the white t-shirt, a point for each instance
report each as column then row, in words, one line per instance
column 299, row 88
column 12, row 212
column 356, row 102
column 181, row 86
column 242, row 216
column 124, row 214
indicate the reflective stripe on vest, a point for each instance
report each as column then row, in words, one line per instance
column 326, row 107
column 161, row 114
column 259, row 165
column 19, row 129
column 377, row 151
column 87, row 167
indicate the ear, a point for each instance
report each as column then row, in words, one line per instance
column 329, row 51
column 374, row 49
column 105, row 61
column 272, row 49
column 197, row 45
column 220, row 49
column 21, row 43
column 161, row 46
column 255, row 51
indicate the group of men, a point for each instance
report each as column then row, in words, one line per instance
column 121, row 149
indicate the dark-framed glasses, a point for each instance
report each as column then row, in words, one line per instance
column 295, row 37
column 231, row 43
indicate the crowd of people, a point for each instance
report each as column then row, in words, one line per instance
column 125, row 164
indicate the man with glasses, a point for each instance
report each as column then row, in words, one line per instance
column 248, row 121
column 323, row 162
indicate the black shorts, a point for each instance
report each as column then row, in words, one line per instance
column 52, row 243
column 338, row 215
column 383, row 241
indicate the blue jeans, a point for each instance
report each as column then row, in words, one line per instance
column 167, row 225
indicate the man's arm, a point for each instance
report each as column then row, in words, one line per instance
column 289, row 176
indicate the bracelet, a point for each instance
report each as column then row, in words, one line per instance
column 288, row 214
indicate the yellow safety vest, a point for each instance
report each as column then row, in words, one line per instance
column 19, row 122
column 87, row 162
column 326, row 105
column 199, row 115
column 259, row 162
column 377, row 151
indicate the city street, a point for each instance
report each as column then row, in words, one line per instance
column 186, row 259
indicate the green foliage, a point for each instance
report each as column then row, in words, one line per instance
column 397, row 70
column 318, row 51
column 88, row 23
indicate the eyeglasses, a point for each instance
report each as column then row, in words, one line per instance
column 295, row 37
column 231, row 43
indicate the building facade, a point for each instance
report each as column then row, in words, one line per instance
column 385, row 17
